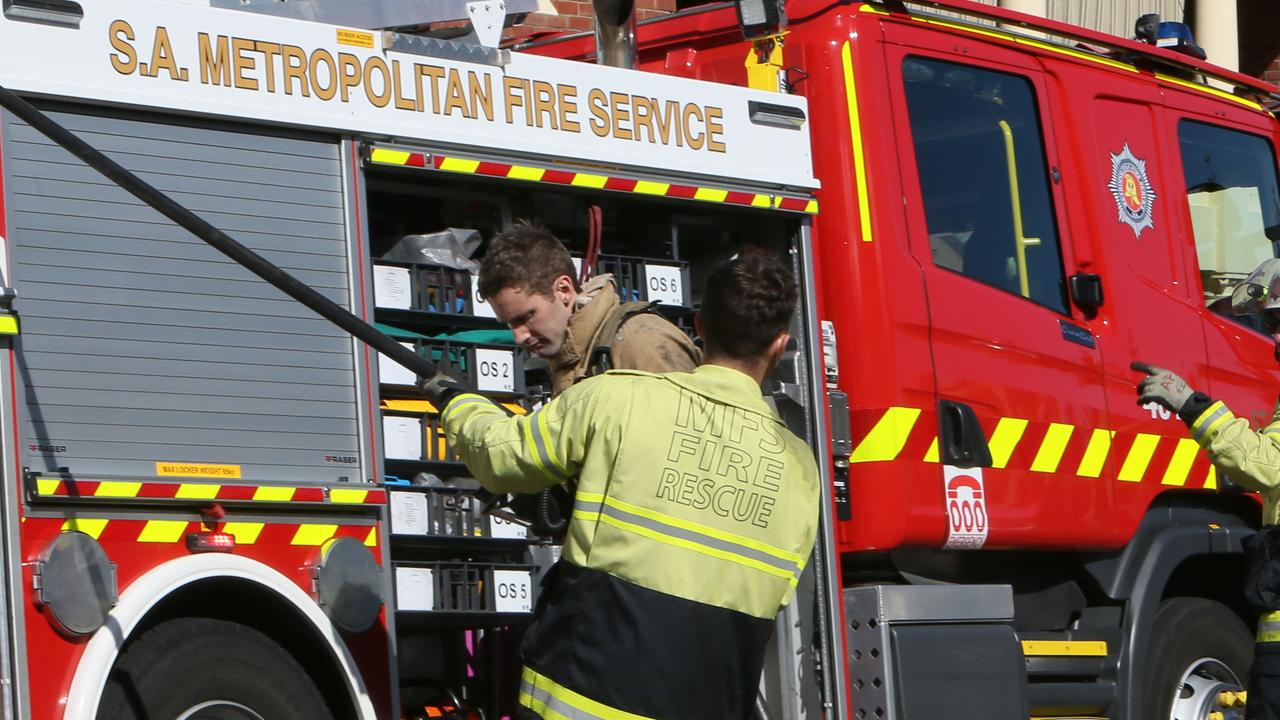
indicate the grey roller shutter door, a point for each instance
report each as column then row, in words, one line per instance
column 141, row 344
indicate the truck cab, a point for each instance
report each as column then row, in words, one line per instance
column 1013, row 211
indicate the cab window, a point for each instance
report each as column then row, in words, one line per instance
column 983, row 178
column 1235, row 206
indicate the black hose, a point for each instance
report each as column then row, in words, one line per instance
column 551, row 515
column 220, row 241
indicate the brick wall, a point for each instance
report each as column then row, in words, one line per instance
column 1272, row 73
column 576, row 15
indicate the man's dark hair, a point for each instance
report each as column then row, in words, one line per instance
column 746, row 303
column 527, row 257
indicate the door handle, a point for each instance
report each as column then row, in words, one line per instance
column 961, row 441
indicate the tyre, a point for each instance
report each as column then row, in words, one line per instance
column 204, row 669
column 1199, row 649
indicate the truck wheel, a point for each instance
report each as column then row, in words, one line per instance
column 205, row 669
column 1199, row 649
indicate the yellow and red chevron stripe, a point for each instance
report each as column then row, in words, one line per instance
column 910, row 434
column 48, row 488
column 531, row 173
column 176, row 531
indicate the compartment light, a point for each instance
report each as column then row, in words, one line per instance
column 758, row 18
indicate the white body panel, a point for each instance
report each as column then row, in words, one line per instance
column 232, row 64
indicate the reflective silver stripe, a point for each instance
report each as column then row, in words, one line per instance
column 1271, row 431
column 587, row 506
column 553, row 704
column 700, row 539
column 462, row 400
column 1204, row 423
column 1269, row 628
column 545, row 696
column 540, row 443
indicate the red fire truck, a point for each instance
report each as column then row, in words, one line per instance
column 1013, row 210
column 217, row 504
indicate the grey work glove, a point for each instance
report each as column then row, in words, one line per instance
column 439, row 388
column 1162, row 387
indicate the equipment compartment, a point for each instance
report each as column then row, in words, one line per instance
column 470, row 594
column 460, row 574
column 486, row 368
column 434, row 515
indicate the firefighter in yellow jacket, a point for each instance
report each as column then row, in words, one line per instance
column 694, row 516
column 1250, row 459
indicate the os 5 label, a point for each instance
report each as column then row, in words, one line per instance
column 512, row 591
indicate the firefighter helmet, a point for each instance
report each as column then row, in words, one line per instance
column 1260, row 292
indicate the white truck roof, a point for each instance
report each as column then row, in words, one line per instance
column 215, row 62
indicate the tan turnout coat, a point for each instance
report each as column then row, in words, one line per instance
column 646, row 341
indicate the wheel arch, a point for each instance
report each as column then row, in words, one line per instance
column 1180, row 535
column 190, row 586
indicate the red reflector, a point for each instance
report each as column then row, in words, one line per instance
column 211, row 542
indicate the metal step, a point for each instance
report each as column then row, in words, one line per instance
column 1064, row 671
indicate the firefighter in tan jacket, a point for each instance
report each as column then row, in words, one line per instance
column 1248, row 458
column 528, row 278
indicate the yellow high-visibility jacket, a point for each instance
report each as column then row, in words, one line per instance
column 1249, row 458
column 695, row 514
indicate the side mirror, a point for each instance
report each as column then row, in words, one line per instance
column 1086, row 291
